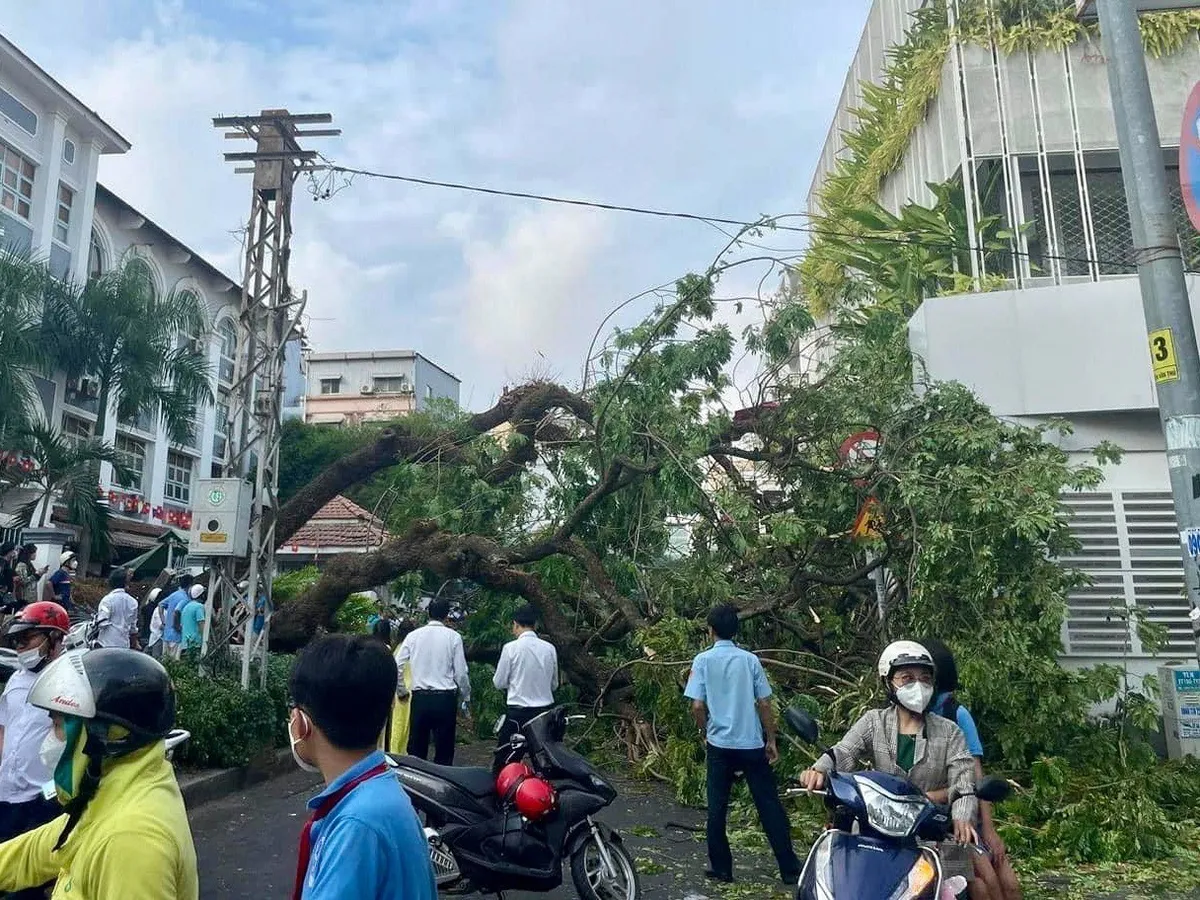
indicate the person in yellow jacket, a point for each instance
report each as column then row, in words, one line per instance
column 124, row 833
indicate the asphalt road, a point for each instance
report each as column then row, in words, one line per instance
column 247, row 843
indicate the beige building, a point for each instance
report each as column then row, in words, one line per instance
column 372, row 386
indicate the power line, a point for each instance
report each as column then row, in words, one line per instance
column 766, row 222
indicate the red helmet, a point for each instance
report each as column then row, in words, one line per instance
column 40, row 616
column 535, row 798
column 510, row 777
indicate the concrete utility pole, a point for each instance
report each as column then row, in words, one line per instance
column 1171, row 331
column 269, row 317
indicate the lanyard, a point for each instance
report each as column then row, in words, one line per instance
column 324, row 808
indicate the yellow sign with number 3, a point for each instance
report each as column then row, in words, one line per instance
column 1162, row 356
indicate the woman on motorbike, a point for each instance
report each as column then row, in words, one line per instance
column 906, row 740
column 993, row 868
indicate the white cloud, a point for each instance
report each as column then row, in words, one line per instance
column 693, row 105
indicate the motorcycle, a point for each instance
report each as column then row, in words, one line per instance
column 884, row 840
column 479, row 844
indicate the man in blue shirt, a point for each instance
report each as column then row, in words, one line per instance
column 172, row 635
column 732, row 708
column 364, row 839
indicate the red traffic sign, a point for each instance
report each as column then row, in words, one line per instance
column 1189, row 156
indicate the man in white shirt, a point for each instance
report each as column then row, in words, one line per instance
column 118, row 613
column 37, row 635
column 527, row 671
column 435, row 655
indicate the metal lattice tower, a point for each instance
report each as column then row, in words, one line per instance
column 269, row 318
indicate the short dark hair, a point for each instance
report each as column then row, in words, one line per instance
column 439, row 609
column 944, row 665
column 186, row 580
column 525, row 616
column 346, row 684
column 723, row 620
column 118, row 577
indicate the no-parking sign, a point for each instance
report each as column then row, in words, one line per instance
column 1189, row 157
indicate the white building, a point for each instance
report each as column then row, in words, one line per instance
column 1067, row 339
column 349, row 388
column 51, row 204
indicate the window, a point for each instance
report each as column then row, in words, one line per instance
column 62, row 221
column 139, row 268
column 390, row 384
column 179, row 478
column 16, row 181
column 76, row 431
column 221, row 427
column 96, row 262
column 132, row 454
column 331, row 385
column 17, row 112
column 429, row 392
column 227, row 332
column 68, row 151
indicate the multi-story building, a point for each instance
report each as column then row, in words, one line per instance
column 372, row 386
column 52, row 206
column 1032, row 136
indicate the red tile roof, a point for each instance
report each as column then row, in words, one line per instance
column 338, row 526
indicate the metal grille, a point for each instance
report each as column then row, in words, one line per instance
column 1110, row 223
column 445, row 866
column 1129, row 549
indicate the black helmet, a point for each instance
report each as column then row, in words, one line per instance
column 110, row 686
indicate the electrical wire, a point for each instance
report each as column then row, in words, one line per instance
column 767, row 222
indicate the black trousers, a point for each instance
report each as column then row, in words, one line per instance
column 515, row 718
column 434, row 715
column 18, row 818
column 723, row 765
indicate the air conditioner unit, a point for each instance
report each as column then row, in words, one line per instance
column 366, row 389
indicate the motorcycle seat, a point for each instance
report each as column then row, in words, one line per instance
column 478, row 782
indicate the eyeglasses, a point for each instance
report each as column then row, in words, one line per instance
column 906, row 678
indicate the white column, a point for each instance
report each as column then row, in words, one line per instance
column 156, row 455
column 48, row 174
column 84, row 212
column 110, row 434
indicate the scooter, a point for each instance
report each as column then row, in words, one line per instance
column 478, row 843
column 883, row 843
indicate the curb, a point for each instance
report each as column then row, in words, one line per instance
column 204, row 787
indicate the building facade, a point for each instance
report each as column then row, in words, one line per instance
column 1031, row 134
column 372, row 386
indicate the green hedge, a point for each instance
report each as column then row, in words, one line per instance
column 229, row 726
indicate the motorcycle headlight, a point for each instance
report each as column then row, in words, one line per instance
column 888, row 814
column 919, row 878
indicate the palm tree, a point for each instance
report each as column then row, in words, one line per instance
column 63, row 471
column 119, row 331
column 25, row 288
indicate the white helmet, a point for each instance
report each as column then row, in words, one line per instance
column 66, row 557
column 903, row 653
column 196, row 591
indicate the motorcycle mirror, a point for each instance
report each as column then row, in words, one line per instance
column 993, row 789
column 802, row 723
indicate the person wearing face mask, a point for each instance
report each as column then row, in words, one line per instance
column 363, row 839
column 907, row 740
column 37, row 636
column 122, row 832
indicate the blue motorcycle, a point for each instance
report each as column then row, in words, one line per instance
column 883, row 843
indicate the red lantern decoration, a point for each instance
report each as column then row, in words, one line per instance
column 157, row 512
column 187, row 520
column 145, row 507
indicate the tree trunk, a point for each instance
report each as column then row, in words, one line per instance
column 85, row 533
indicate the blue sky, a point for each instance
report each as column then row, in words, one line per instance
column 696, row 105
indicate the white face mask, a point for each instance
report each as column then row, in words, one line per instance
column 300, row 761
column 51, row 751
column 915, row 696
column 32, row 658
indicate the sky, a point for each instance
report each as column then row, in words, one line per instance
column 716, row 108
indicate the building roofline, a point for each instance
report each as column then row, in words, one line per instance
column 370, row 355
column 116, row 143
column 109, row 195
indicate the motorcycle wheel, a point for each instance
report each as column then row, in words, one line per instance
column 591, row 883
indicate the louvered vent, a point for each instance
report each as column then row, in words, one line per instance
column 1129, row 548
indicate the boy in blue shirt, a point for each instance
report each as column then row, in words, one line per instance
column 364, row 839
column 732, row 708
column 994, row 869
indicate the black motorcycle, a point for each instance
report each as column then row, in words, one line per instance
column 479, row 843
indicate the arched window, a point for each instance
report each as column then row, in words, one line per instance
column 227, row 332
column 139, row 268
column 96, row 261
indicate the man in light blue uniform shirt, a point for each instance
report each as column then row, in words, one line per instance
column 364, row 840
column 732, row 708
